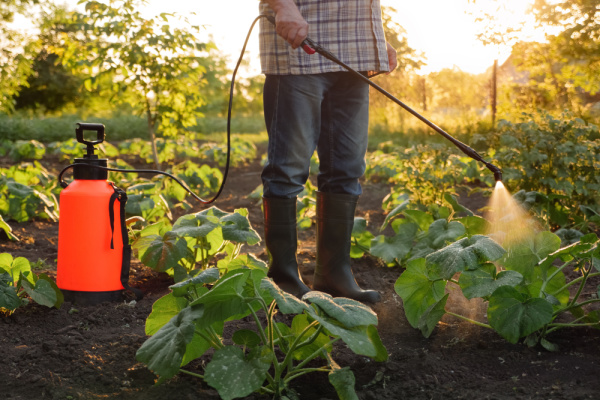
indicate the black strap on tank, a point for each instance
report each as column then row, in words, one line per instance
column 121, row 196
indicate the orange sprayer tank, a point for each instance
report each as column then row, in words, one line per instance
column 88, row 269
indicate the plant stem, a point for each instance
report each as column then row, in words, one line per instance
column 315, row 354
column 191, row 373
column 297, row 373
column 294, row 345
column 586, row 274
column 469, row 320
column 552, row 275
column 573, row 282
column 259, row 326
column 572, row 306
column 570, row 325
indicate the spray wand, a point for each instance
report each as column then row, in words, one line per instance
column 310, row 47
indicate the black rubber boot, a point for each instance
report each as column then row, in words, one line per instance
column 333, row 272
column 281, row 240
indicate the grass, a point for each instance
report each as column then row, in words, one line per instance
column 118, row 127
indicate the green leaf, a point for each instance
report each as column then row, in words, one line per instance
column 163, row 310
column 479, row 283
column 556, row 283
column 342, row 379
column 59, row 295
column 442, row 231
column 548, row 345
column 421, row 218
column 287, row 303
column 7, row 230
column 349, row 313
column 6, row 261
column 164, row 351
column 467, row 253
column 194, row 225
column 162, row 253
column 363, row 339
column 394, row 213
column 432, row 316
column 299, row 323
column 226, row 298
column 475, row 225
column 514, row 315
column 207, row 276
column 42, row 293
column 524, row 256
column 236, row 228
column 243, row 261
column 8, row 293
column 246, row 338
column 395, row 247
column 417, row 290
column 198, row 345
column 453, row 201
column 234, row 375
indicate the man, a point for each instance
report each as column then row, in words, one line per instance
column 312, row 103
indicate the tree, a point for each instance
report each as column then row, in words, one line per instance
column 578, row 39
column 403, row 83
column 51, row 86
column 155, row 67
column 15, row 66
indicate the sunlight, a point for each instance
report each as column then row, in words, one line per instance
column 445, row 31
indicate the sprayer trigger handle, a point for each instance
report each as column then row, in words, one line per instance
column 307, row 49
column 87, row 126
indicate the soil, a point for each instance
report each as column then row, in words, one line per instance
column 88, row 352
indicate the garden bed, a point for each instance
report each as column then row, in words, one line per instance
column 89, row 352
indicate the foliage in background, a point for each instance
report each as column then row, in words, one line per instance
column 28, row 191
column 18, row 284
column 15, row 52
column 556, row 156
column 51, row 87
column 188, row 322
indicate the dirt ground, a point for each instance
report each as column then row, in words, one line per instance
column 88, row 352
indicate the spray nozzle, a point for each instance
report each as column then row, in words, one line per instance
column 86, row 126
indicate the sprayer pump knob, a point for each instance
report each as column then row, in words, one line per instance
column 86, row 126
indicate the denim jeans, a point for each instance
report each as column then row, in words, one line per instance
column 328, row 112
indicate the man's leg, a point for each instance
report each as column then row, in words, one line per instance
column 342, row 149
column 292, row 115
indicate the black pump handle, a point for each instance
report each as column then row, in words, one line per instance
column 90, row 126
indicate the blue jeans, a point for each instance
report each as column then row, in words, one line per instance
column 328, row 112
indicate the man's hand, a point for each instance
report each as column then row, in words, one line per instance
column 392, row 57
column 289, row 22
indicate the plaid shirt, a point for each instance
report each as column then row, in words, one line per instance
column 351, row 30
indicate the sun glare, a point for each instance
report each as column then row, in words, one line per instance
column 509, row 222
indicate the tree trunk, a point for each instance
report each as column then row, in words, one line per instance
column 152, row 138
column 494, row 93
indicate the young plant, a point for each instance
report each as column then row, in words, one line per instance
column 416, row 233
column 17, row 281
column 194, row 242
column 190, row 320
column 26, row 192
column 525, row 288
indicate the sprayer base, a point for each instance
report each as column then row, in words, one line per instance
column 92, row 298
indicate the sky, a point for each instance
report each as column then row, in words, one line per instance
column 443, row 30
